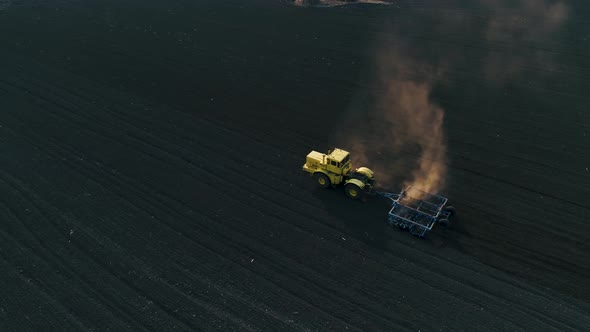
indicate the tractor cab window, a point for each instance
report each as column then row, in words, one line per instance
column 345, row 160
column 333, row 163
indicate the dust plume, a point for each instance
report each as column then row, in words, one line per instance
column 404, row 123
column 421, row 123
column 403, row 135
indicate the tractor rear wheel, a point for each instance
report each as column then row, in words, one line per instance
column 322, row 180
column 352, row 191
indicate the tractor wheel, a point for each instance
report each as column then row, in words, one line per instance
column 451, row 210
column 322, row 180
column 444, row 223
column 352, row 191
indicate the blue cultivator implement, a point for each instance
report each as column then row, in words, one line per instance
column 417, row 211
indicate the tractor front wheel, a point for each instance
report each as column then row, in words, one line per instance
column 322, row 180
column 352, row 191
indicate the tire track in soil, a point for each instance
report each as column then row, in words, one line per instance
column 29, row 289
column 90, row 254
column 77, row 153
column 51, row 258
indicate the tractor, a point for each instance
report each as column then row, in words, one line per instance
column 411, row 209
column 334, row 169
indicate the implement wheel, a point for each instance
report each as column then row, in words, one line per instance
column 352, row 191
column 322, row 180
column 444, row 223
column 451, row 210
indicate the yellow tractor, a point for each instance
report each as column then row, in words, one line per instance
column 335, row 168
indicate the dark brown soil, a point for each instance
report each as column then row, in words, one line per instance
column 150, row 170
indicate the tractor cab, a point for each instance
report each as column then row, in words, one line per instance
column 338, row 161
column 335, row 162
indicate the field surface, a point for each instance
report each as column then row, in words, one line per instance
column 151, row 153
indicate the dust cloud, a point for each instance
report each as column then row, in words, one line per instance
column 403, row 121
column 403, row 138
column 420, row 122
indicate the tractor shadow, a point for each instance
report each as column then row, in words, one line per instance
column 364, row 219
